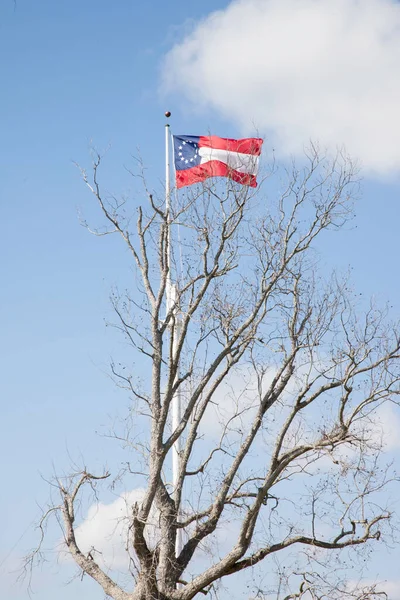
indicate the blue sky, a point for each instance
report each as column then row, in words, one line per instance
column 81, row 74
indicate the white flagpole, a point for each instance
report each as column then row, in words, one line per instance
column 175, row 330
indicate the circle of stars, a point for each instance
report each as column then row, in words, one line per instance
column 187, row 154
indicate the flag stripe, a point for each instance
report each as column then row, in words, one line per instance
column 244, row 146
column 244, row 163
column 213, row 168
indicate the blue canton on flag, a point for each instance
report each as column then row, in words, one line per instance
column 186, row 149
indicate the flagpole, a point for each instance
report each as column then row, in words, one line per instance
column 175, row 329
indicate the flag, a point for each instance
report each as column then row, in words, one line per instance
column 200, row 157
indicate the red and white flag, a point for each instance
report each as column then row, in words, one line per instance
column 200, row 157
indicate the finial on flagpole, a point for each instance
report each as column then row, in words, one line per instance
column 167, row 114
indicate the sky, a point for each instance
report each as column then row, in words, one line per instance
column 82, row 75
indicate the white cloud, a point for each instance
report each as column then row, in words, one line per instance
column 325, row 70
column 105, row 529
column 391, row 587
column 388, row 426
column 104, row 532
column 234, row 403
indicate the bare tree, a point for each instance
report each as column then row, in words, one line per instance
column 281, row 377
